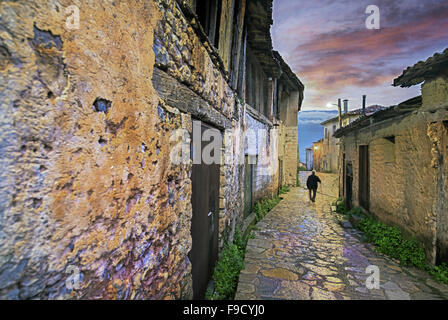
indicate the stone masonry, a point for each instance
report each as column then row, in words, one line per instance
column 92, row 205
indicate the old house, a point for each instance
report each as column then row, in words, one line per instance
column 309, row 159
column 317, row 155
column 288, row 101
column 330, row 145
column 104, row 189
column 396, row 161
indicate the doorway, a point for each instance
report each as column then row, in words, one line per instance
column 248, row 185
column 364, row 178
column 280, row 173
column 348, row 185
column 205, row 221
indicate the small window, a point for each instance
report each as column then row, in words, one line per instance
column 209, row 14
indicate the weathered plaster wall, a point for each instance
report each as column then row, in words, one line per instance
column 289, row 137
column 290, row 159
column 442, row 222
column 87, row 180
column 435, row 93
column 88, row 186
column 259, row 141
column 403, row 182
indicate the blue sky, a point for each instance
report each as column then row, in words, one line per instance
column 310, row 129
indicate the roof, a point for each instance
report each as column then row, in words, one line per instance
column 259, row 21
column 402, row 109
column 288, row 72
column 369, row 111
column 423, row 70
column 289, row 76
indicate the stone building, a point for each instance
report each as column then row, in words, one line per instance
column 289, row 99
column 330, row 145
column 100, row 195
column 317, row 155
column 396, row 160
column 309, row 159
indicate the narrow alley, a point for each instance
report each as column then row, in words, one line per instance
column 300, row 251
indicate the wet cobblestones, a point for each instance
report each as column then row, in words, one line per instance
column 300, row 251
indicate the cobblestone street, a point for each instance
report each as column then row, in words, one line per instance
column 300, row 251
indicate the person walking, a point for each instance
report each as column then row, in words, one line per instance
column 312, row 185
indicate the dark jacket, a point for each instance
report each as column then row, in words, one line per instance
column 312, row 181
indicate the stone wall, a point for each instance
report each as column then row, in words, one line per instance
column 263, row 144
column 289, row 136
column 442, row 222
column 184, row 56
column 91, row 118
column 290, row 159
column 404, row 176
column 87, row 182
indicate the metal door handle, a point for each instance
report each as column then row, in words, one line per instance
column 210, row 213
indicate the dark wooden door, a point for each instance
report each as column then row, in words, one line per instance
column 364, row 178
column 280, row 173
column 248, row 187
column 348, row 185
column 205, row 222
column 344, row 177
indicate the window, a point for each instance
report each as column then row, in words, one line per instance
column 257, row 85
column 209, row 14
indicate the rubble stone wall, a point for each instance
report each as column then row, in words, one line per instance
column 403, row 183
column 87, row 180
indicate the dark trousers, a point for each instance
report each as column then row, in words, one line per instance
column 313, row 194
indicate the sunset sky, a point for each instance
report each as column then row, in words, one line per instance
column 328, row 45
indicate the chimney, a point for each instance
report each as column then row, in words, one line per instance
column 340, row 112
column 364, row 97
column 345, row 106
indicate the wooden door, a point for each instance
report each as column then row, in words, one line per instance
column 348, row 179
column 280, row 173
column 249, row 172
column 364, row 178
column 205, row 222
